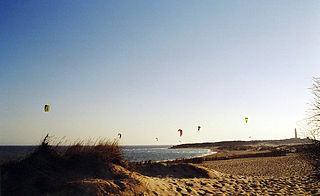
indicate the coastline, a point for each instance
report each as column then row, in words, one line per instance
column 232, row 172
column 236, row 170
column 131, row 154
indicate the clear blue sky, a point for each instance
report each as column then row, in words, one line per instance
column 148, row 68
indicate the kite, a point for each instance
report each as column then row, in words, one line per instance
column 180, row 130
column 46, row 108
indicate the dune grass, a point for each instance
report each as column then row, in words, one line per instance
column 51, row 167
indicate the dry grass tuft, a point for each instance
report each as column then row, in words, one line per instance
column 100, row 151
column 50, row 168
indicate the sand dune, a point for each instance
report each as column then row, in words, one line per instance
column 251, row 174
column 216, row 183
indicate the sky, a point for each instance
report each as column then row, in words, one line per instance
column 148, row 68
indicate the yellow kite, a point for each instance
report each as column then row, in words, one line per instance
column 46, row 108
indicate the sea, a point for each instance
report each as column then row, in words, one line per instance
column 130, row 153
column 161, row 153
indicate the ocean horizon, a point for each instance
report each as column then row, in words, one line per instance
column 132, row 153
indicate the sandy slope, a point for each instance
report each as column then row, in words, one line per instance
column 286, row 175
column 282, row 166
column 212, row 182
column 220, row 184
column 231, row 185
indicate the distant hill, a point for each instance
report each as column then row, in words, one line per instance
column 292, row 141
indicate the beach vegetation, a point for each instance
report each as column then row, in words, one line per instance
column 50, row 168
column 312, row 152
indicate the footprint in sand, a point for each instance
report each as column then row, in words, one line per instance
column 203, row 183
column 201, row 193
column 189, row 184
column 206, row 191
column 217, row 186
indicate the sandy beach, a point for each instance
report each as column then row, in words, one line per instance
column 283, row 175
column 251, row 177
column 283, row 166
column 250, row 171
